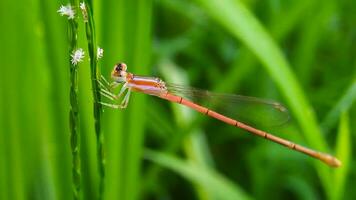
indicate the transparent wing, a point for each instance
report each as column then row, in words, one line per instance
column 251, row 110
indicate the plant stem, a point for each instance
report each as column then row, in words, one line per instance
column 73, row 112
column 95, row 75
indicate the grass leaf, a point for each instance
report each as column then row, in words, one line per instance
column 203, row 176
column 343, row 104
column 87, row 12
column 343, row 151
column 74, row 107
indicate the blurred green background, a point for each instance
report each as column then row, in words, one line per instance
column 299, row 52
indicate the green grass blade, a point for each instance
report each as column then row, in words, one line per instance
column 310, row 37
column 95, row 75
column 197, row 151
column 195, row 144
column 291, row 17
column 343, row 151
column 139, row 55
column 111, row 36
column 55, row 51
column 205, row 177
column 241, row 23
column 14, row 108
column 3, row 169
column 4, row 182
column 74, row 111
column 345, row 102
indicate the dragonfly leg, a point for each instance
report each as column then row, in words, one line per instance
column 124, row 87
column 107, row 92
column 102, row 85
column 113, row 85
column 108, row 95
column 126, row 99
column 104, row 80
column 118, row 106
column 115, row 106
column 112, row 96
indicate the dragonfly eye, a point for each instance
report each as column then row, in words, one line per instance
column 120, row 67
column 119, row 71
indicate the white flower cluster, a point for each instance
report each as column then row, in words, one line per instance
column 67, row 10
column 70, row 13
column 84, row 11
column 99, row 53
column 77, row 56
column 82, row 5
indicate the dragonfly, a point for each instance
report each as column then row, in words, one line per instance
column 154, row 86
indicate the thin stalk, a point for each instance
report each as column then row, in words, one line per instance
column 343, row 151
column 345, row 102
column 74, row 111
column 95, row 75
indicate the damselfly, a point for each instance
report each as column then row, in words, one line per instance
column 177, row 94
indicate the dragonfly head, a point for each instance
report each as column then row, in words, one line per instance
column 119, row 73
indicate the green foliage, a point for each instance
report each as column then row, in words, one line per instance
column 87, row 12
column 74, row 107
column 343, row 149
column 205, row 177
column 298, row 52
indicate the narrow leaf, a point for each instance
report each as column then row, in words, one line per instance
column 343, row 151
column 203, row 176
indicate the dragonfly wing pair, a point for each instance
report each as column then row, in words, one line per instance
column 250, row 110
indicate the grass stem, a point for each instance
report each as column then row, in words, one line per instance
column 95, row 75
column 74, row 111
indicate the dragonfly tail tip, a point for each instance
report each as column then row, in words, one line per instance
column 331, row 160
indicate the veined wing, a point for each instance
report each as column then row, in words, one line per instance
column 250, row 110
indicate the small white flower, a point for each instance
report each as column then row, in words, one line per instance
column 82, row 5
column 83, row 8
column 99, row 53
column 67, row 10
column 77, row 56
